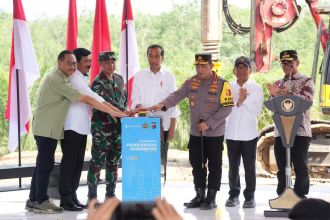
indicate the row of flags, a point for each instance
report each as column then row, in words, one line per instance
column 24, row 70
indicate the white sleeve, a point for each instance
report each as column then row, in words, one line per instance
column 136, row 90
column 79, row 83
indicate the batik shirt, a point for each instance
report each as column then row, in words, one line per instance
column 302, row 86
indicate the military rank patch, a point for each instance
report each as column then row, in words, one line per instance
column 226, row 96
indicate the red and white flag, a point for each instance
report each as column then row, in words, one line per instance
column 101, row 36
column 128, row 50
column 72, row 28
column 22, row 59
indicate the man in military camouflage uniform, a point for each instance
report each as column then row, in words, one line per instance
column 106, row 131
column 297, row 84
column 210, row 102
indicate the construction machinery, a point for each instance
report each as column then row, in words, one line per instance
column 319, row 150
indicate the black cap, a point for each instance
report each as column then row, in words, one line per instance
column 107, row 55
column 203, row 58
column 288, row 55
column 243, row 60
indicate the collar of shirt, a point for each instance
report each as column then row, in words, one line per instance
column 84, row 74
column 104, row 77
column 294, row 77
column 65, row 77
column 78, row 73
column 249, row 81
column 160, row 72
column 210, row 80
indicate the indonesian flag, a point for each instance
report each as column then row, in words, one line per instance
column 101, row 36
column 24, row 61
column 72, row 28
column 128, row 50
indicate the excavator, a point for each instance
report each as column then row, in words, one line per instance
column 267, row 17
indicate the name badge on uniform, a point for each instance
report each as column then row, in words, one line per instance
column 226, row 96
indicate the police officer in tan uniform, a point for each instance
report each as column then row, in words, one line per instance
column 210, row 102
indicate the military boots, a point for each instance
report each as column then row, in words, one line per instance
column 197, row 201
column 209, row 202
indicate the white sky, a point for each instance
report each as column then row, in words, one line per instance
column 49, row 8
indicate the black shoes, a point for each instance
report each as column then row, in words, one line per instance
column 79, row 204
column 249, row 203
column 69, row 205
column 232, row 202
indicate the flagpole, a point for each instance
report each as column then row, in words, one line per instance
column 126, row 43
column 18, row 126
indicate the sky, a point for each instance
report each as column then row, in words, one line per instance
column 49, row 8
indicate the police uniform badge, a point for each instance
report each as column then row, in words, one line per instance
column 226, row 96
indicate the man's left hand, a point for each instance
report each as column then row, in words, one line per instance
column 202, row 127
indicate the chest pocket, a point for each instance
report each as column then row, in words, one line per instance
column 193, row 96
column 212, row 102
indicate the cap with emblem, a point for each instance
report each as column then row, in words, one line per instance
column 243, row 60
column 107, row 55
column 203, row 58
column 288, row 55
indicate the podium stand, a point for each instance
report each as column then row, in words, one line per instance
column 141, row 159
column 288, row 116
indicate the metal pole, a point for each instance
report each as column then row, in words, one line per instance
column 18, row 126
column 202, row 145
column 317, row 51
column 288, row 167
column 126, row 43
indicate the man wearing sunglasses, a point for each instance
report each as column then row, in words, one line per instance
column 297, row 84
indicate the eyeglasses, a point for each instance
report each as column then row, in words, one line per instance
column 71, row 63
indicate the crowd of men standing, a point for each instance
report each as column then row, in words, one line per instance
column 219, row 110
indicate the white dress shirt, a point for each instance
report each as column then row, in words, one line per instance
column 79, row 114
column 151, row 88
column 242, row 122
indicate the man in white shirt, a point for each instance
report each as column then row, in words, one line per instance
column 151, row 86
column 241, row 133
column 76, row 128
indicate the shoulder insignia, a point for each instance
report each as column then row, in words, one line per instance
column 226, row 96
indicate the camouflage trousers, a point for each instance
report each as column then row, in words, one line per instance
column 106, row 148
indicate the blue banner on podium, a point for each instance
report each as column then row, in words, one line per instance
column 141, row 158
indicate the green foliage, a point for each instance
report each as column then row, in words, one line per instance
column 178, row 32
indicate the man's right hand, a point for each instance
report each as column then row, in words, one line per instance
column 157, row 107
column 117, row 114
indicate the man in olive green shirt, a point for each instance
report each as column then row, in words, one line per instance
column 55, row 96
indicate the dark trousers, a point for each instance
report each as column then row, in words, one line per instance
column 299, row 161
column 164, row 148
column 212, row 154
column 246, row 150
column 73, row 150
column 44, row 166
